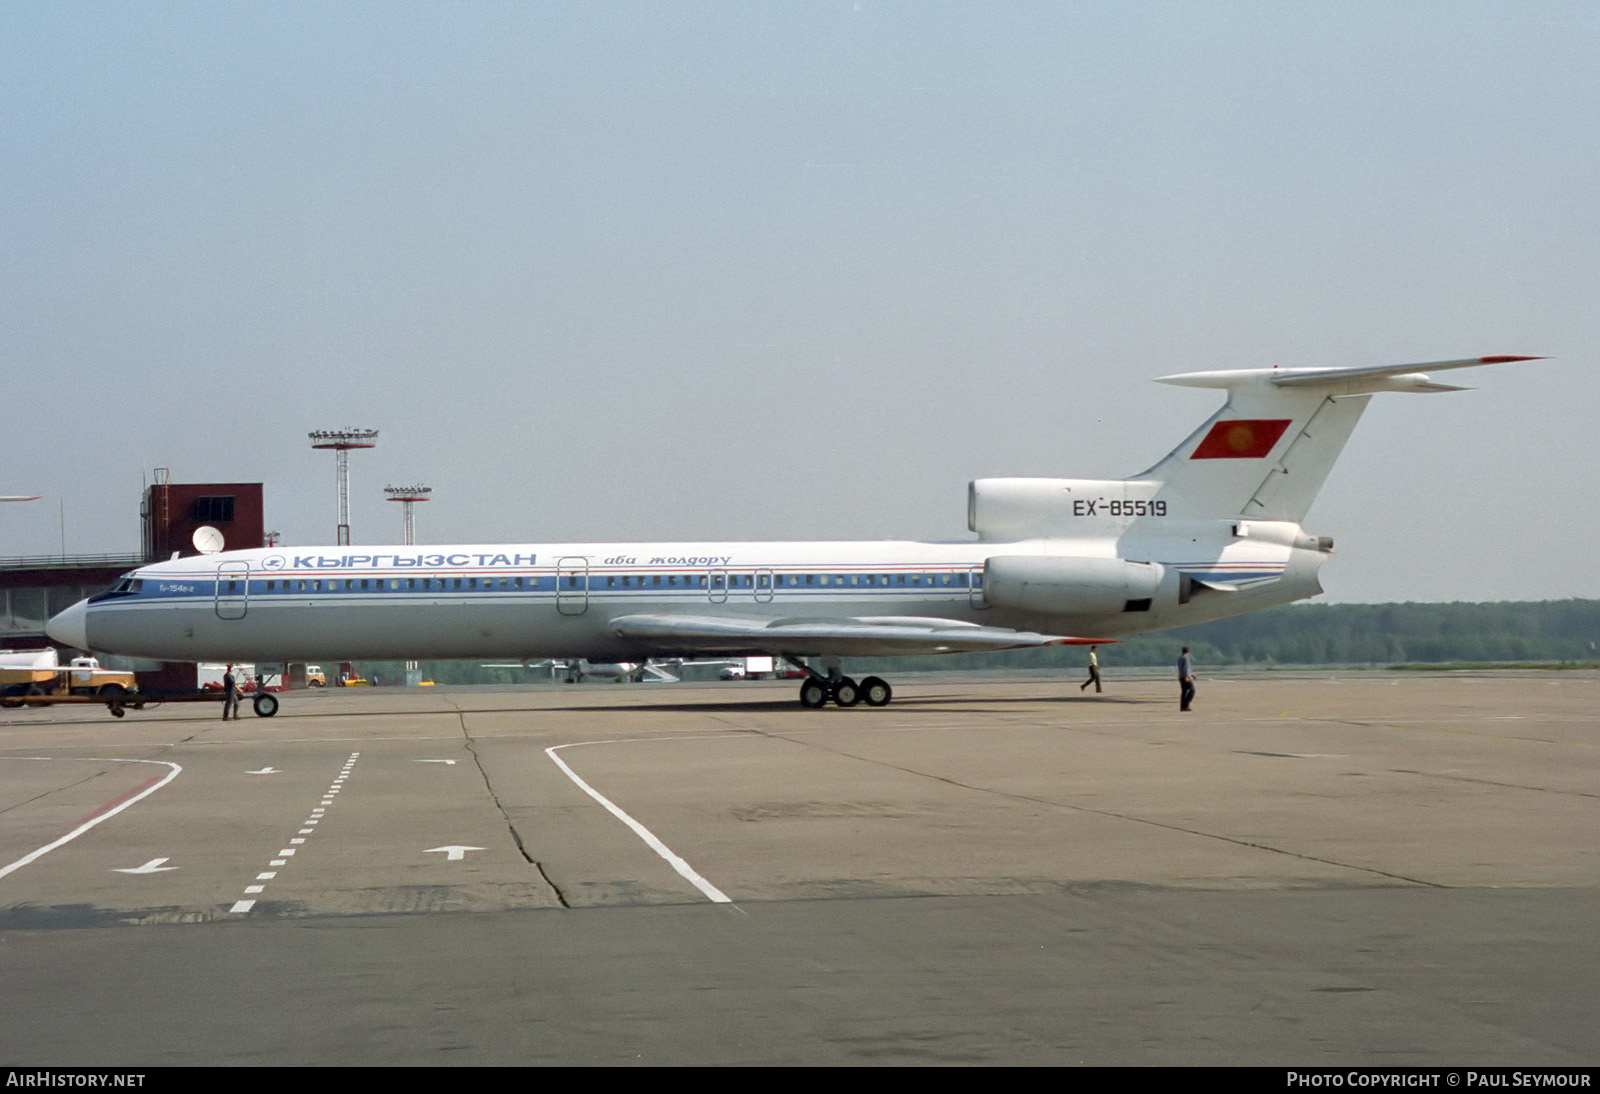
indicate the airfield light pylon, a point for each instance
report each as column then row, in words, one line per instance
column 408, row 496
column 342, row 441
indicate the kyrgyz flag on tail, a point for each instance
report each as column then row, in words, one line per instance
column 1241, row 439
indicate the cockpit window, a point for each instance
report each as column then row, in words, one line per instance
column 126, row 585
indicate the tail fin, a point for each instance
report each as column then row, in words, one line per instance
column 1267, row 452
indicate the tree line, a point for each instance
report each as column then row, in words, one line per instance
column 1353, row 634
column 1544, row 631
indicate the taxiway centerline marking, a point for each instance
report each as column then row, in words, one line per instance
column 689, row 874
column 105, row 812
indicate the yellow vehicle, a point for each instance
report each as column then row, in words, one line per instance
column 86, row 677
column 44, row 676
column 315, row 678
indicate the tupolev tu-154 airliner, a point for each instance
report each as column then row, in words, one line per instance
column 1212, row 530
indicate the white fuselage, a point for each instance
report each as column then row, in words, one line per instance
column 533, row 601
column 1212, row 530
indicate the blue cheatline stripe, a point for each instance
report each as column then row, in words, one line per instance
column 736, row 583
column 698, row 583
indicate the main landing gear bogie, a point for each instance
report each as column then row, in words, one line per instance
column 876, row 692
column 845, row 692
column 813, row 693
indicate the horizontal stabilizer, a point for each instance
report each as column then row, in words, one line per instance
column 1312, row 376
column 1358, row 379
column 1267, row 452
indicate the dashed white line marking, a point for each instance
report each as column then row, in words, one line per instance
column 240, row 907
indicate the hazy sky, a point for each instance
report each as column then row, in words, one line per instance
column 796, row 270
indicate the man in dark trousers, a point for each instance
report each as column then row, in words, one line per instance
column 1094, row 672
column 230, row 695
column 1185, row 680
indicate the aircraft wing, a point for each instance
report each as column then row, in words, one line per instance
column 861, row 636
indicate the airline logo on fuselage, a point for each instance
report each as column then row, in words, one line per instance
column 485, row 559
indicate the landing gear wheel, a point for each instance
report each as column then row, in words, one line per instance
column 266, row 705
column 876, row 692
column 115, row 709
column 813, row 694
column 845, row 692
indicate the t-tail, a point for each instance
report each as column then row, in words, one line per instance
column 1262, row 457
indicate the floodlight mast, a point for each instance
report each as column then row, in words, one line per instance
column 342, row 441
column 408, row 496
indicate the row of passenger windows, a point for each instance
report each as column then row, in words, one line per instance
column 768, row 581
column 613, row 581
column 370, row 584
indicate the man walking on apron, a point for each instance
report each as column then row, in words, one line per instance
column 1094, row 672
column 1185, row 680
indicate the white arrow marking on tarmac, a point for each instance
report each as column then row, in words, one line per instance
column 443, row 762
column 265, row 771
column 453, row 853
column 152, row 867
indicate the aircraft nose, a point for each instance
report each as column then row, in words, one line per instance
column 71, row 627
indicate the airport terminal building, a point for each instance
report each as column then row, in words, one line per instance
column 33, row 588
